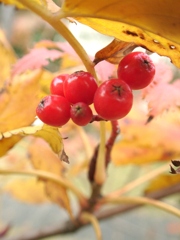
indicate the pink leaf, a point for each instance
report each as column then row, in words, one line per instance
column 37, row 58
column 105, row 70
column 163, row 96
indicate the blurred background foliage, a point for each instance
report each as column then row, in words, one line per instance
column 25, row 206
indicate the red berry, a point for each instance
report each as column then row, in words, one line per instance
column 81, row 113
column 136, row 69
column 113, row 99
column 80, row 87
column 54, row 110
column 56, row 86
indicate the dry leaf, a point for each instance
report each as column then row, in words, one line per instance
column 58, row 195
column 28, row 190
column 154, row 24
column 162, row 181
column 114, row 51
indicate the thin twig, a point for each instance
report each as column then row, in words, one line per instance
column 142, row 200
column 100, row 169
column 52, row 177
column 88, row 217
column 139, row 181
column 69, row 227
column 86, row 142
column 110, row 142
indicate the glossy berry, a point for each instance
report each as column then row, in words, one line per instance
column 54, row 110
column 113, row 99
column 80, row 87
column 56, row 86
column 81, row 113
column 136, row 69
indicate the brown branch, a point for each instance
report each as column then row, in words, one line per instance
column 110, row 142
column 69, row 227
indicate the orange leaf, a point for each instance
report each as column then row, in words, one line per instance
column 142, row 143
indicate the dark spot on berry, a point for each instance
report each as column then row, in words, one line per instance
column 146, row 61
column 117, row 89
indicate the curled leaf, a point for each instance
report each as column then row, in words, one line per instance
column 114, row 51
column 50, row 134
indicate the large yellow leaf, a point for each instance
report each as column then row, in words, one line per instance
column 6, row 60
column 18, row 102
column 19, row 5
column 153, row 24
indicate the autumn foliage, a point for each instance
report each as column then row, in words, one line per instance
column 77, row 164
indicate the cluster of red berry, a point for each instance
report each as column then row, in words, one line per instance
column 72, row 94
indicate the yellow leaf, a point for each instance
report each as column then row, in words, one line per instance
column 19, row 5
column 18, row 102
column 153, row 24
column 6, row 60
column 28, row 190
column 58, row 195
column 43, row 158
column 161, row 182
column 48, row 133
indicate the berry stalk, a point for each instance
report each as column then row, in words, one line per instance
column 100, row 170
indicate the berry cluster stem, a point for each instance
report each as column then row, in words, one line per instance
column 100, row 171
column 110, row 142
